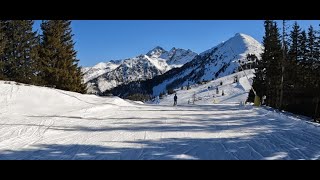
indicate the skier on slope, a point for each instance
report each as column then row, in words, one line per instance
column 157, row 100
column 175, row 100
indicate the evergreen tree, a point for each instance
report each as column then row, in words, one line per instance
column 3, row 41
column 302, row 47
column 36, row 61
column 301, row 84
column 317, row 48
column 274, row 72
column 269, row 70
column 290, row 75
column 259, row 81
column 285, row 36
column 311, row 56
column 294, row 39
column 59, row 66
column 283, row 63
column 20, row 58
column 311, row 53
column 302, row 60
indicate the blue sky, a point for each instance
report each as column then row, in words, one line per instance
column 104, row 40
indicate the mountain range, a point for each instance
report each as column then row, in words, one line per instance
column 107, row 75
column 160, row 70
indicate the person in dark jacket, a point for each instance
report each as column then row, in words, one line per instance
column 175, row 100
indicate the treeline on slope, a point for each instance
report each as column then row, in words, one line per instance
column 46, row 59
column 288, row 73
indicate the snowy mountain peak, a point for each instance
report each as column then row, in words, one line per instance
column 246, row 38
column 173, row 49
column 237, row 46
column 213, row 63
column 239, row 34
column 156, row 52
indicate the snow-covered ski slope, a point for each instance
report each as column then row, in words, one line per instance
column 207, row 93
column 44, row 123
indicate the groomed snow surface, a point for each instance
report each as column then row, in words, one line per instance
column 44, row 123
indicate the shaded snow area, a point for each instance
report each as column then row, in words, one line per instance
column 44, row 123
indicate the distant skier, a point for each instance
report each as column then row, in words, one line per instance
column 157, row 101
column 175, row 100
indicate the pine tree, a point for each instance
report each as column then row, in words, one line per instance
column 302, row 59
column 36, row 61
column 317, row 79
column 259, row 84
column 301, row 88
column 270, row 65
column 312, row 47
column 59, row 66
column 290, row 75
column 311, row 56
column 294, row 39
column 19, row 53
column 284, row 64
column 3, row 41
column 317, row 49
column 259, row 81
column 276, row 63
column 302, row 47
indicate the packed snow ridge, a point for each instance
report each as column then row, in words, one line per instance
column 105, row 76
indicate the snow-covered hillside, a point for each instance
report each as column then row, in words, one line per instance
column 157, row 61
column 234, row 92
column 216, row 62
column 45, row 123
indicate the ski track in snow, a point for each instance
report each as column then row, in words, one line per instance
column 66, row 125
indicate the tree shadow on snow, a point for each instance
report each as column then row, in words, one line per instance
column 168, row 149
